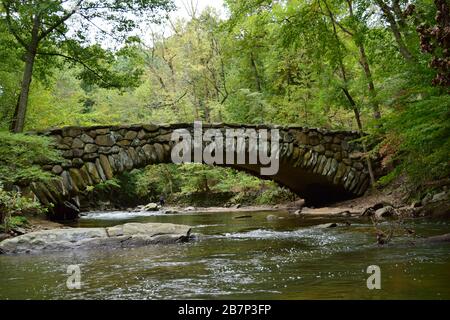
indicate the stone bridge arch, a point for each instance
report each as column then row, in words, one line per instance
column 319, row 165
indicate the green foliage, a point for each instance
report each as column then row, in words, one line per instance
column 158, row 179
column 21, row 157
column 184, row 181
column 107, row 185
column 12, row 205
column 267, row 193
column 418, row 139
column 274, row 195
column 18, row 221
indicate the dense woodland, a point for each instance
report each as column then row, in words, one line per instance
column 377, row 66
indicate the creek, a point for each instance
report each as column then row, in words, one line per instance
column 240, row 258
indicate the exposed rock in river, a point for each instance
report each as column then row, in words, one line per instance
column 332, row 225
column 151, row 207
column 384, row 212
column 127, row 235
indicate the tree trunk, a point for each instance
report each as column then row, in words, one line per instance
column 395, row 27
column 21, row 108
column 398, row 13
column 13, row 120
column 406, row 54
column 366, row 67
column 368, row 73
column 350, row 98
column 18, row 123
column 360, row 129
column 256, row 73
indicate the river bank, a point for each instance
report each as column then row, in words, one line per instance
column 391, row 203
column 437, row 206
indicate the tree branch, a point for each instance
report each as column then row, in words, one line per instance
column 76, row 60
column 335, row 21
column 10, row 26
column 63, row 19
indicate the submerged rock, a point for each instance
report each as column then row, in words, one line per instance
column 127, row 235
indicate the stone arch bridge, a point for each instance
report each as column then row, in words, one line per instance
column 320, row 166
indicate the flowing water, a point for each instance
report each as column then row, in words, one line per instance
column 240, row 258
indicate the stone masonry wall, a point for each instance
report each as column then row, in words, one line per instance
column 96, row 154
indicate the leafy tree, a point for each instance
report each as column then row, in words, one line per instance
column 48, row 28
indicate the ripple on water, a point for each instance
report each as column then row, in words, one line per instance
column 319, row 237
column 121, row 215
